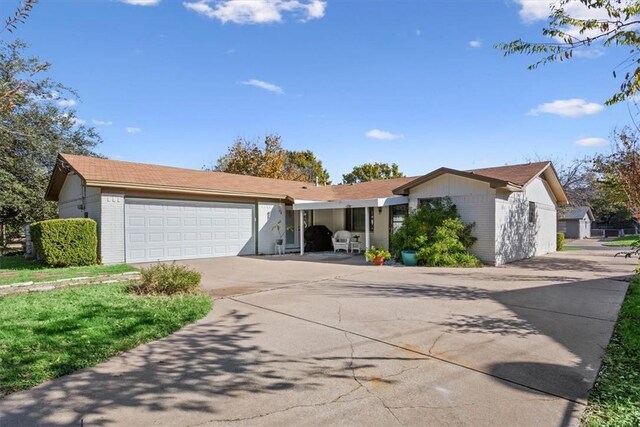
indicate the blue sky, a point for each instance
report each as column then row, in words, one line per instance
column 407, row 81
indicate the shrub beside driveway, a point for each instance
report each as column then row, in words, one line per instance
column 615, row 398
column 50, row 334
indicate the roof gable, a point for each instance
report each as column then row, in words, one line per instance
column 512, row 177
column 577, row 213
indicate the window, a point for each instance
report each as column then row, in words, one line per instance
column 398, row 214
column 532, row 212
column 354, row 220
column 431, row 201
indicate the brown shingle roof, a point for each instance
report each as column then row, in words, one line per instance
column 114, row 173
column 515, row 174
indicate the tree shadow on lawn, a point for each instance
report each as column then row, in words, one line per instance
column 204, row 361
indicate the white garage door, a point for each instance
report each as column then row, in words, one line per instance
column 162, row 230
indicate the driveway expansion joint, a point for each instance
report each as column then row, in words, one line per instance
column 427, row 355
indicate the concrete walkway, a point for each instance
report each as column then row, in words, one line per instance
column 302, row 341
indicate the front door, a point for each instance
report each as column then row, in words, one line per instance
column 292, row 223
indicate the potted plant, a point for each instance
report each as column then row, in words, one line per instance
column 409, row 257
column 409, row 253
column 377, row 256
column 278, row 229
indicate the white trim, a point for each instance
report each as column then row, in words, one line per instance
column 367, row 229
column 357, row 203
column 301, row 232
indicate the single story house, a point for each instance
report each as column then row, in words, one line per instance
column 148, row 212
column 575, row 223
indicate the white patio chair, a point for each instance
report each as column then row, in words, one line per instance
column 341, row 240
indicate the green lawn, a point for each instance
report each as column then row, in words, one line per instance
column 16, row 269
column 615, row 398
column 570, row 248
column 50, row 334
column 623, row 241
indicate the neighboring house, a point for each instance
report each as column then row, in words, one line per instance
column 149, row 212
column 575, row 223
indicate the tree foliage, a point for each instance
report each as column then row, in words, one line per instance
column 12, row 91
column 272, row 161
column 601, row 23
column 585, row 185
column 307, row 166
column 372, row 172
column 33, row 130
column 620, row 170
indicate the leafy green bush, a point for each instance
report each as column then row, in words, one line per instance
column 559, row 241
column 166, row 279
column 446, row 249
column 66, row 242
column 425, row 227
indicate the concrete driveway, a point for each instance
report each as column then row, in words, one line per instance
column 307, row 341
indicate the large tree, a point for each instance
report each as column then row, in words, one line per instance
column 620, row 170
column 34, row 127
column 307, row 167
column 372, row 172
column 271, row 161
column 575, row 25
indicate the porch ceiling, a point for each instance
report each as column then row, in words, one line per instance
column 356, row 203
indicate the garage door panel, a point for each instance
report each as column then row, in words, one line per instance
column 160, row 230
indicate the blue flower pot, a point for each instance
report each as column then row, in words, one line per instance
column 409, row 258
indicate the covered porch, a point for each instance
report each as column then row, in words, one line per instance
column 371, row 218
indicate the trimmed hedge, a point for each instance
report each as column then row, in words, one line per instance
column 559, row 241
column 66, row 242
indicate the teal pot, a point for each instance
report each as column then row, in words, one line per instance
column 409, row 258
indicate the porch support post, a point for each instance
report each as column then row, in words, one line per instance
column 367, row 232
column 301, row 232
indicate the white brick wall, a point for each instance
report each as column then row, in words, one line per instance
column 268, row 215
column 112, row 247
column 516, row 237
column 70, row 197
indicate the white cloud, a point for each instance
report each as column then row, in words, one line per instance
column 141, row 2
column 475, row 43
column 101, row 122
column 66, row 103
column 589, row 53
column 264, row 85
column 574, row 107
column 383, row 135
column 592, row 142
column 132, row 130
column 257, row 11
column 539, row 10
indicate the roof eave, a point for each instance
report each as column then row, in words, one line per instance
column 186, row 190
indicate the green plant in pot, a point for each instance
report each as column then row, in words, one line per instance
column 377, row 256
column 277, row 227
column 280, row 232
